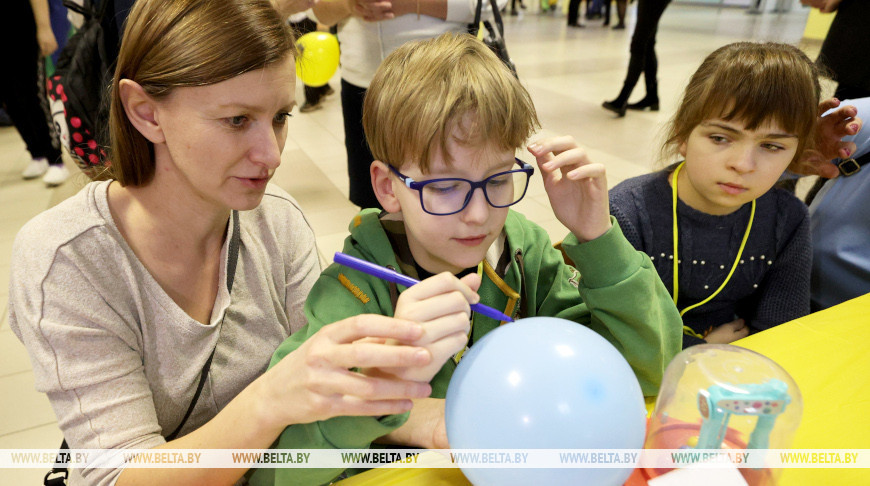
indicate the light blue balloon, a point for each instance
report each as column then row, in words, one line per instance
column 544, row 383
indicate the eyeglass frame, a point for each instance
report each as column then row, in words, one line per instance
column 418, row 186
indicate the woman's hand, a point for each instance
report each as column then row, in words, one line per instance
column 441, row 304
column 425, row 427
column 728, row 332
column 577, row 187
column 315, row 382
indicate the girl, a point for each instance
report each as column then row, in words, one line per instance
column 734, row 252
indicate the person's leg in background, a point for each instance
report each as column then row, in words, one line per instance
column 514, row 6
column 574, row 14
column 313, row 96
column 650, row 73
column 621, row 7
column 593, row 9
column 649, row 12
column 359, row 157
column 20, row 91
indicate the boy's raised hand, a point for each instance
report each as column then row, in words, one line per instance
column 577, row 187
column 442, row 305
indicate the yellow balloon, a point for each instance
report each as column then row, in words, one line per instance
column 317, row 58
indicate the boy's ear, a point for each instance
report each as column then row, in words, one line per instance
column 382, row 184
column 141, row 110
column 683, row 149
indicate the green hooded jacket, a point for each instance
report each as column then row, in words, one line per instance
column 614, row 290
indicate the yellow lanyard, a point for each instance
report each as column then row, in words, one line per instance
column 458, row 356
column 687, row 329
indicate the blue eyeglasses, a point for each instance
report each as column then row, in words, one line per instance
column 442, row 197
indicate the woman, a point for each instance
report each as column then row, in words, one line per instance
column 369, row 30
column 187, row 270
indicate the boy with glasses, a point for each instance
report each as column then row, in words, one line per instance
column 444, row 118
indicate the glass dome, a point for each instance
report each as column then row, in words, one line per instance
column 723, row 397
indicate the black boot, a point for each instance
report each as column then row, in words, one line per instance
column 651, row 103
column 617, row 106
column 651, row 100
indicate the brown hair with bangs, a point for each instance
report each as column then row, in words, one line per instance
column 169, row 44
column 425, row 90
column 754, row 83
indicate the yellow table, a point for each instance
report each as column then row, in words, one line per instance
column 828, row 355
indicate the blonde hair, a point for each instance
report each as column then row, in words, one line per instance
column 169, row 44
column 426, row 89
column 752, row 82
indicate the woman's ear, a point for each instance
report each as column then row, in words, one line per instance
column 682, row 148
column 141, row 110
column 382, row 183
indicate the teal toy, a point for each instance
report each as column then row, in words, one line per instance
column 719, row 402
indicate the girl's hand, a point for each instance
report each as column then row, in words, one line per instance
column 728, row 332
column 441, row 304
column 577, row 187
column 315, row 382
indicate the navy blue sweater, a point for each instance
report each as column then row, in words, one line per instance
column 771, row 285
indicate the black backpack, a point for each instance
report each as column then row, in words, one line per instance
column 78, row 91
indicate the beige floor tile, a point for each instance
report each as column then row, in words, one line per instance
column 331, row 221
column 6, row 240
column 21, row 406
column 335, row 169
column 16, row 213
column 4, row 275
column 17, row 190
column 13, row 355
column 311, row 188
column 46, row 436
column 4, row 317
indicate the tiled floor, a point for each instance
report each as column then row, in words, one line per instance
column 569, row 72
